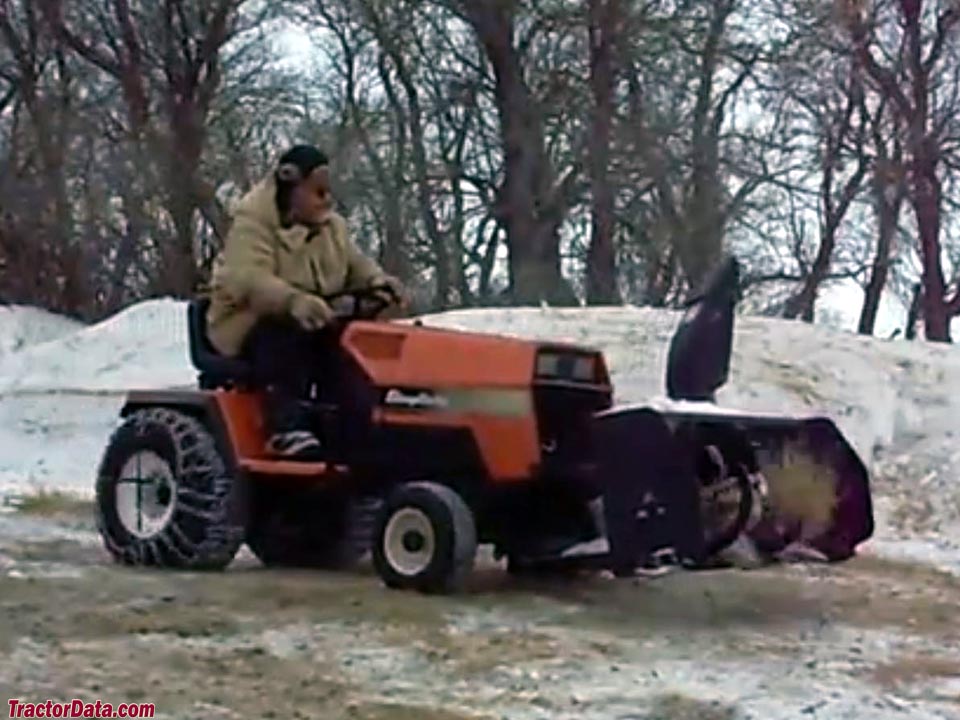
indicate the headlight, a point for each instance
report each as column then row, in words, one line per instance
column 583, row 369
column 548, row 365
column 566, row 366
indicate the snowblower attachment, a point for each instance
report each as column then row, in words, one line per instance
column 690, row 482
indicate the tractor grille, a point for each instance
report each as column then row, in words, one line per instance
column 564, row 412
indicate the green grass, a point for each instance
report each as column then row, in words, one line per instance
column 49, row 503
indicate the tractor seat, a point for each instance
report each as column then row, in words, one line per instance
column 214, row 370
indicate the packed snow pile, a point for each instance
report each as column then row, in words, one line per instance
column 898, row 402
column 142, row 346
column 21, row 327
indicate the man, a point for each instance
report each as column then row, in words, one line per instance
column 286, row 248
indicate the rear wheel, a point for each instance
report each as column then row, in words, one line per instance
column 425, row 539
column 309, row 530
column 164, row 497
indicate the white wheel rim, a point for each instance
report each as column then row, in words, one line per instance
column 409, row 542
column 146, row 494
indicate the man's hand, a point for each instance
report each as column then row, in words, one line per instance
column 311, row 312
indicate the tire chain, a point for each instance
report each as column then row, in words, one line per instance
column 196, row 460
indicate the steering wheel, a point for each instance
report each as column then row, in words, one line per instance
column 362, row 304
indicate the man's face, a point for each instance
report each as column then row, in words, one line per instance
column 311, row 200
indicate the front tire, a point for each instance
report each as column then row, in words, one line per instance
column 164, row 496
column 425, row 539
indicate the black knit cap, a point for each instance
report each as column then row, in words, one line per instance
column 305, row 158
column 295, row 165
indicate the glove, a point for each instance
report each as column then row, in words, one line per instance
column 399, row 292
column 311, row 312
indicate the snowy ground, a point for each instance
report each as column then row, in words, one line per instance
column 873, row 639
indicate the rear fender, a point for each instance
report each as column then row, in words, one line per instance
column 231, row 417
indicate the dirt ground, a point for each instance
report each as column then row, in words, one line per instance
column 867, row 639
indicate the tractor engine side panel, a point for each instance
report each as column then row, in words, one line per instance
column 507, row 445
column 435, row 380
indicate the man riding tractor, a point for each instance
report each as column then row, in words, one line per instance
column 286, row 250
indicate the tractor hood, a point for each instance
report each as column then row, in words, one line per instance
column 698, row 363
column 417, row 356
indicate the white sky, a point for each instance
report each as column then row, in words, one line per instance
column 295, row 42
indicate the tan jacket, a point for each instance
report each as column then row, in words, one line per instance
column 263, row 266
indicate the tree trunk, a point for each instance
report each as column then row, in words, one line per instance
column 888, row 195
column 180, row 267
column 395, row 251
column 702, row 245
column 601, row 256
column 913, row 314
column 926, row 207
column 803, row 304
column 530, row 201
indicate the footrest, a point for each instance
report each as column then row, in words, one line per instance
column 290, row 468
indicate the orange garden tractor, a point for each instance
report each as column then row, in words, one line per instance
column 439, row 440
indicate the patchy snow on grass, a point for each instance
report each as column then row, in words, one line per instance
column 573, row 673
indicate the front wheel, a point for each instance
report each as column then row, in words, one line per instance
column 425, row 539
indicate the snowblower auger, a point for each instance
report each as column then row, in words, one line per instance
column 691, row 483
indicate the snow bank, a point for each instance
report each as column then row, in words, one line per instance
column 142, row 346
column 897, row 402
column 21, row 327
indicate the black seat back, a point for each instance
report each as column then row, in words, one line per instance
column 214, row 370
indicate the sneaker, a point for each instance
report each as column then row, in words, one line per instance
column 296, row 444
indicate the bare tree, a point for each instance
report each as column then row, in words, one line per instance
column 683, row 81
column 533, row 199
column 167, row 59
column 921, row 84
column 604, row 24
column 837, row 126
column 41, row 83
column 889, row 189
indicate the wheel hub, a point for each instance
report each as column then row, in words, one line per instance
column 413, row 542
column 146, row 494
column 409, row 541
